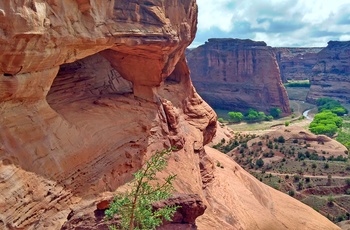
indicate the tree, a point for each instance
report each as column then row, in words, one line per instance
column 291, row 192
column 260, row 163
column 252, row 115
column 332, row 105
column 235, row 116
column 281, row 139
column 275, row 112
column 134, row 207
column 330, row 200
column 326, row 123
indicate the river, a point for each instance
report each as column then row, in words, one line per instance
column 306, row 114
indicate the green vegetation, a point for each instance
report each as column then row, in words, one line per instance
column 344, row 135
column 235, row 116
column 275, row 112
column 260, row 163
column 134, row 207
column 326, row 123
column 294, row 84
column 334, row 106
column 252, row 116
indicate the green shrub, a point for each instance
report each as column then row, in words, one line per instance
column 330, row 200
column 281, row 139
column 296, row 178
column 134, row 207
column 221, row 120
column 291, row 193
column 275, row 112
column 260, row 163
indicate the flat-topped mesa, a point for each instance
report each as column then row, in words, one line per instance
column 237, row 74
column 296, row 63
column 331, row 73
column 224, row 42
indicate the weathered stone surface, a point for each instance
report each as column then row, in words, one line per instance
column 190, row 207
column 90, row 132
column 237, row 75
column 296, row 63
column 331, row 74
column 78, row 114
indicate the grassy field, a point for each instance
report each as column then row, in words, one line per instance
column 297, row 93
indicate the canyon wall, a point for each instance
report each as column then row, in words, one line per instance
column 296, row 63
column 88, row 91
column 331, row 74
column 236, row 75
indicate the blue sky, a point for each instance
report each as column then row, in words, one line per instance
column 280, row 23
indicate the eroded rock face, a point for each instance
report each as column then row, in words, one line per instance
column 237, row 75
column 331, row 74
column 296, row 63
column 190, row 207
column 73, row 129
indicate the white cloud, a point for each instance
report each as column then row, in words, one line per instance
column 214, row 13
column 344, row 38
column 277, row 22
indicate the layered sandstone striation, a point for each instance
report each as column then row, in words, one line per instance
column 296, row 63
column 236, row 75
column 88, row 91
column 331, row 74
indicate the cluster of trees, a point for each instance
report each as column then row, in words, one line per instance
column 331, row 105
column 327, row 121
column 344, row 134
column 304, row 84
column 254, row 116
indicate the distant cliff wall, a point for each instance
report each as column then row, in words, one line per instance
column 296, row 63
column 237, row 75
column 331, row 74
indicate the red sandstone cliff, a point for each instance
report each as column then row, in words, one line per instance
column 89, row 89
column 236, row 75
column 331, row 74
column 296, row 63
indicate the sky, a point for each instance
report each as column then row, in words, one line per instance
column 280, row 23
